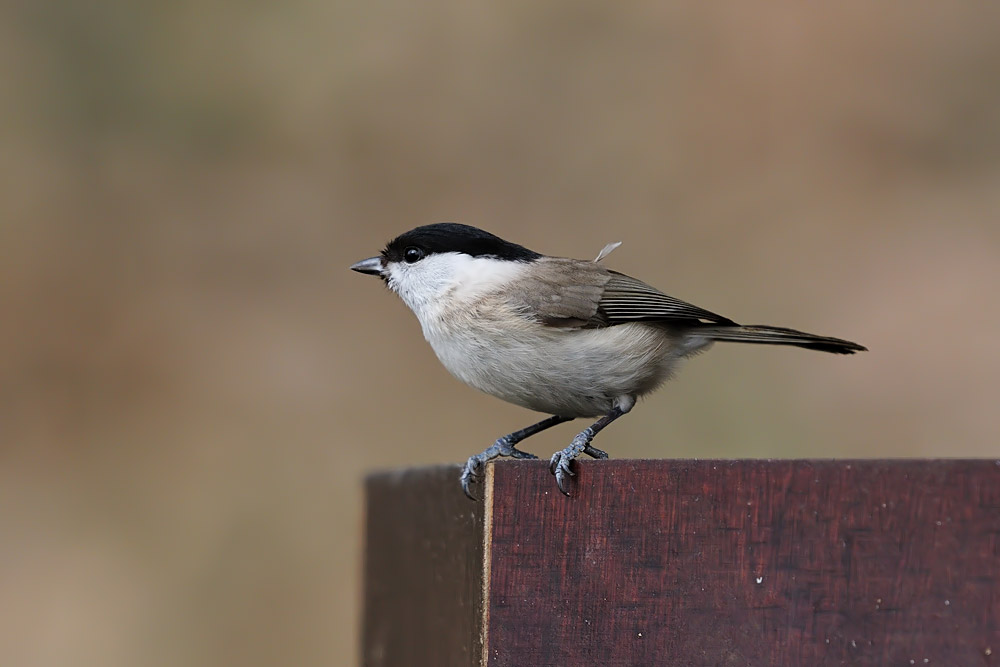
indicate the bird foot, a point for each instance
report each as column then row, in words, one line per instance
column 473, row 469
column 560, row 463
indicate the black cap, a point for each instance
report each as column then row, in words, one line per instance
column 454, row 237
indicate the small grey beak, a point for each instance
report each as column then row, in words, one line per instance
column 372, row 266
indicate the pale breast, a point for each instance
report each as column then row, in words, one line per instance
column 569, row 372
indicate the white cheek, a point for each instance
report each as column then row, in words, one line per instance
column 414, row 284
column 448, row 280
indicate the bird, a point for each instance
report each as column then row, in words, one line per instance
column 565, row 337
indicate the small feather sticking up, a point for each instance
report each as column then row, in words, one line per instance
column 607, row 250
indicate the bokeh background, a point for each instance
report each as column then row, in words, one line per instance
column 193, row 385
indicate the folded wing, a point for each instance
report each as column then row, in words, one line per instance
column 575, row 294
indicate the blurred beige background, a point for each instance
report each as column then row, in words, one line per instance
column 193, row 385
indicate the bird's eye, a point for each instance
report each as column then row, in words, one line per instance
column 413, row 254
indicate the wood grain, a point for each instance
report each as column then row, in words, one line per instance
column 703, row 563
column 423, row 581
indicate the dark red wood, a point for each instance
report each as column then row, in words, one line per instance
column 687, row 563
column 746, row 563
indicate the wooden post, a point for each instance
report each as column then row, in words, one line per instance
column 686, row 563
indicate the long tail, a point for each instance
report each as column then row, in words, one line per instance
column 780, row 336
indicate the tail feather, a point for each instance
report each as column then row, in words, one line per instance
column 766, row 335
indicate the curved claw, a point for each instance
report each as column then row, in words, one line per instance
column 470, row 475
column 560, row 467
column 563, row 474
column 554, row 461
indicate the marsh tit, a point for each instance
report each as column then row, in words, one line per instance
column 566, row 337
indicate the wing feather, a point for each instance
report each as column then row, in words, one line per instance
column 626, row 299
column 566, row 294
column 577, row 294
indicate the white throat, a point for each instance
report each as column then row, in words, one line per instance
column 444, row 281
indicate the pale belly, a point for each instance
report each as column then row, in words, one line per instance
column 572, row 373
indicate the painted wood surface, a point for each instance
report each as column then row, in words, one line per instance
column 688, row 563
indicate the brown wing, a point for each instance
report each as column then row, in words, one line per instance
column 578, row 294
column 567, row 294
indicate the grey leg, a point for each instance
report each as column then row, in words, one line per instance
column 559, row 465
column 505, row 447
